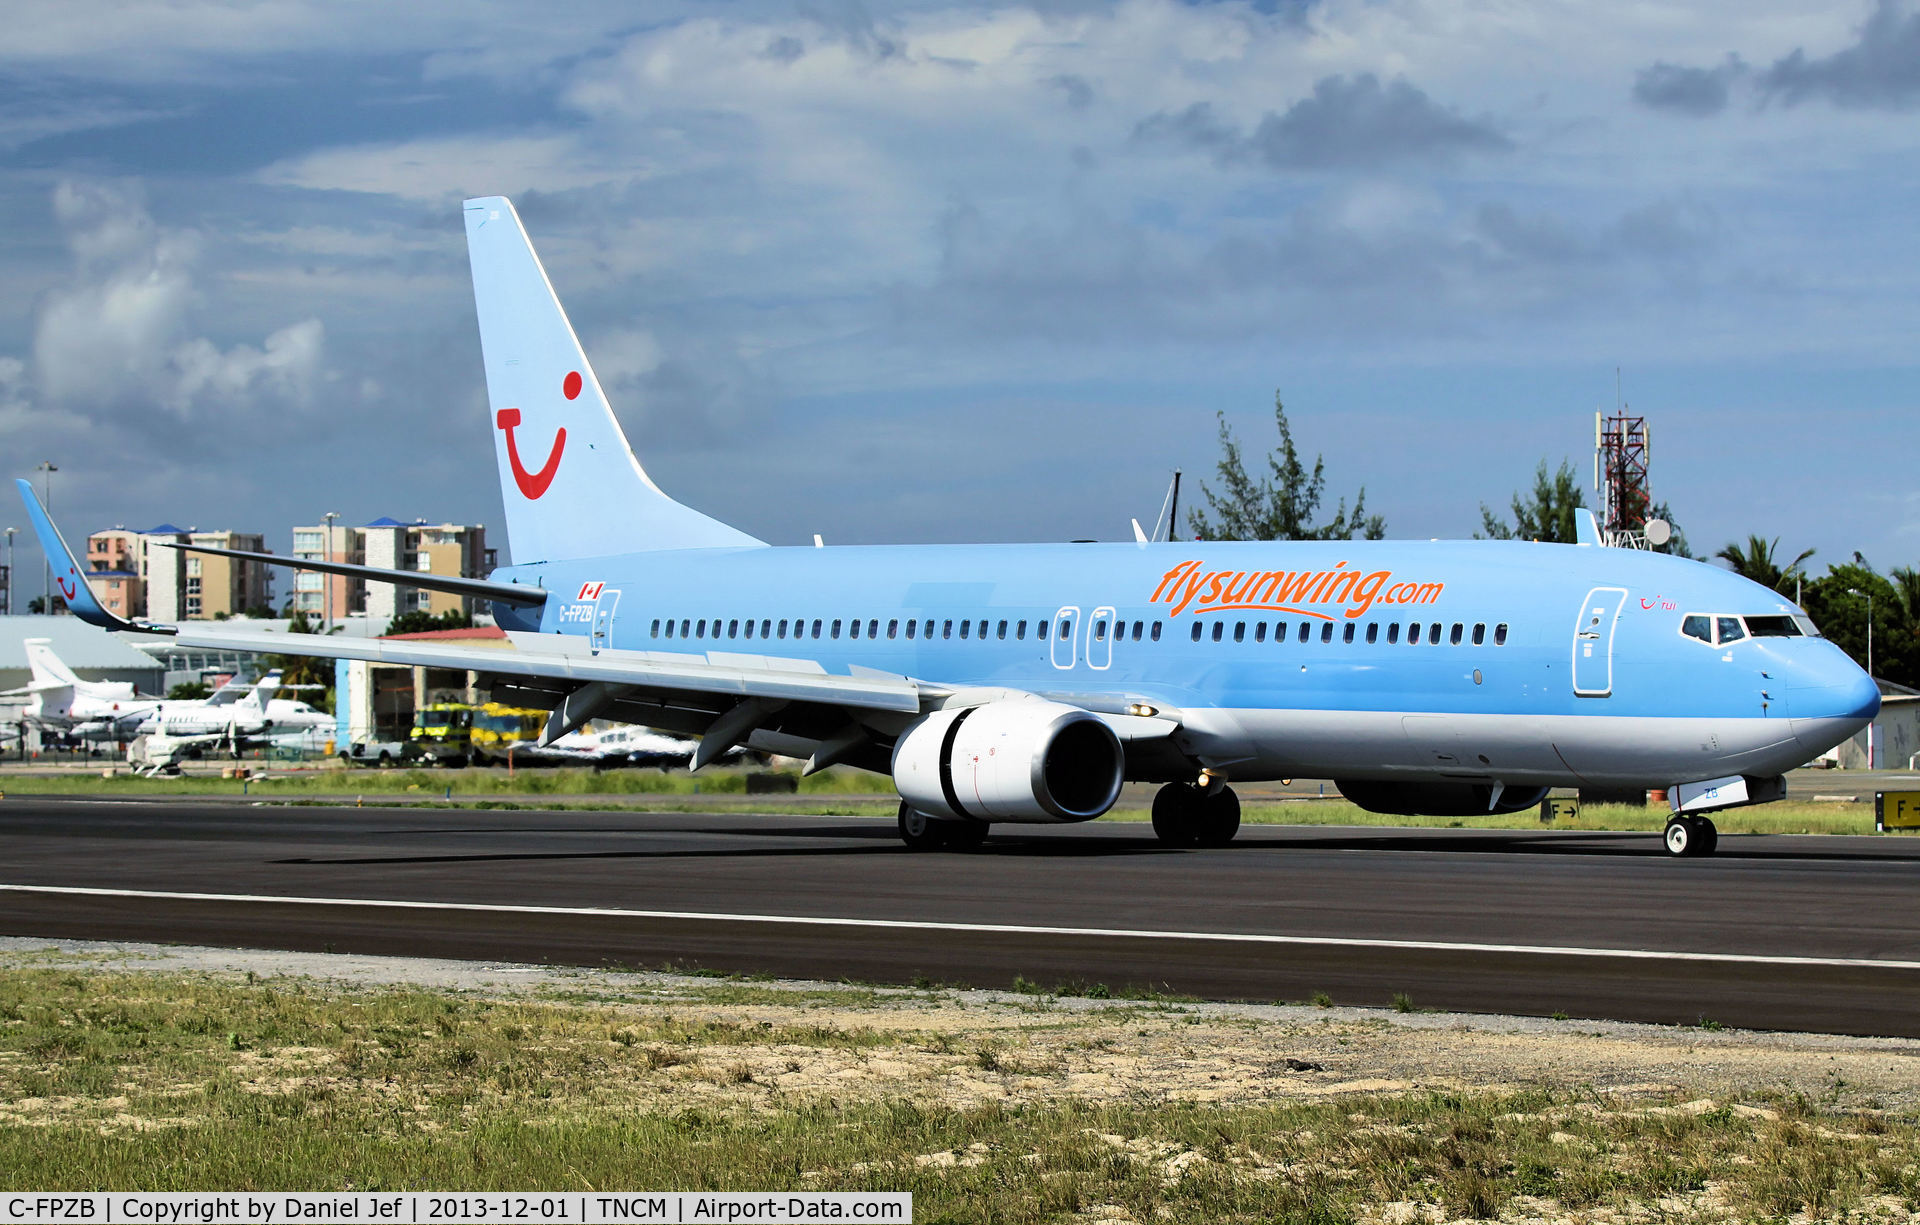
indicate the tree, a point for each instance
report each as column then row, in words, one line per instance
column 1756, row 561
column 426, row 623
column 189, row 691
column 1280, row 505
column 1547, row 515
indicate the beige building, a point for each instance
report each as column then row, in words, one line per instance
column 134, row 575
column 458, row 549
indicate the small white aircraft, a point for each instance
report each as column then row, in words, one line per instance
column 61, row 701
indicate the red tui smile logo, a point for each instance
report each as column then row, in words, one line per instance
column 534, row 484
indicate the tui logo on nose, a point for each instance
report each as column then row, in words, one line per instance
column 534, row 484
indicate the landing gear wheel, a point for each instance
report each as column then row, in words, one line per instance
column 965, row 835
column 919, row 831
column 1176, row 809
column 1219, row 818
column 1691, row 837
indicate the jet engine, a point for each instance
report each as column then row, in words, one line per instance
column 1024, row 760
column 1439, row 799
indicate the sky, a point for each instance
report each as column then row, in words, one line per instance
column 971, row 272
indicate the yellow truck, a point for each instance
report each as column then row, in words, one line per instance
column 456, row 733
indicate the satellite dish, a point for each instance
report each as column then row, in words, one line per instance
column 1659, row 531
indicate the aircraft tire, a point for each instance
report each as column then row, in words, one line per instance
column 919, row 831
column 1690, row 837
column 1176, row 814
column 1219, row 818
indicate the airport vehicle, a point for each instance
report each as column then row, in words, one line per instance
column 458, row 733
column 1026, row 683
column 60, row 701
column 377, row 752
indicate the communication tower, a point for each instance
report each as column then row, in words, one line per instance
column 1622, row 451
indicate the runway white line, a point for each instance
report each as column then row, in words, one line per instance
column 1015, row 929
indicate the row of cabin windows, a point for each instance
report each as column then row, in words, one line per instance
column 1434, row 632
column 768, row 628
column 688, row 627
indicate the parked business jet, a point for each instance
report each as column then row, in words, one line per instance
column 1027, row 683
column 60, row 701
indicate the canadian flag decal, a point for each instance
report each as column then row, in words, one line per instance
column 590, row 591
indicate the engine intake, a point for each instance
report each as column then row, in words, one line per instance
column 1438, row 799
column 1023, row 760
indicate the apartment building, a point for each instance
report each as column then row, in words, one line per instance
column 429, row 548
column 135, row 575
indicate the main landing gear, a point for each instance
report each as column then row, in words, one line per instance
column 1691, row 837
column 922, row 833
column 1187, row 815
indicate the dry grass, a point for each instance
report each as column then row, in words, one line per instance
column 1022, row 1112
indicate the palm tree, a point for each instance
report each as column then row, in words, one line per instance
column 1756, row 562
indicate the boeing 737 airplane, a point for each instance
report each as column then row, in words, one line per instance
column 1027, row 683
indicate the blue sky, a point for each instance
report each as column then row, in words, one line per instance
column 971, row 272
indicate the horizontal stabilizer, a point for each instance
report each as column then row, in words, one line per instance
column 479, row 588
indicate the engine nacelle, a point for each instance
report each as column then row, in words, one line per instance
column 1439, row 799
column 1025, row 760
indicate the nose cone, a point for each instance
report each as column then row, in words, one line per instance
column 1833, row 701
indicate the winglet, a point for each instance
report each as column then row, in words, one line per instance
column 1585, row 527
column 68, row 575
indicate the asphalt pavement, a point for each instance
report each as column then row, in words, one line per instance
column 1783, row 932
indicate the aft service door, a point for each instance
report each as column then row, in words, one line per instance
column 1064, row 634
column 1593, row 641
column 604, row 606
column 1100, row 632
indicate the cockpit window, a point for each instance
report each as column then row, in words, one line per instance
column 1730, row 629
column 1697, row 626
column 1773, row 627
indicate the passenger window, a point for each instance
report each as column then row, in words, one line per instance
column 1479, row 633
column 1500, row 634
column 1393, row 632
column 926, row 630
column 893, row 628
column 1066, row 628
column 1219, row 630
column 733, row 629
column 1240, row 631
column 685, row 625
column 836, row 628
column 700, row 631
column 1305, row 629
column 1730, row 630
column 669, row 627
column 1696, row 626
column 853, row 630
column 749, row 627
column 912, row 626
column 1040, row 630
column 873, row 628
column 1326, row 631
column 1346, row 635
column 1156, row 631
column 1196, row 631
column 1413, row 634
column 783, row 627
column 1000, row 630
column 766, row 628
column 1459, row 631
column 1020, row 630
column 816, row 627
column 1373, row 631
column 946, row 629
column 1279, row 631
column 1260, row 631
column 964, row 623
column 1139, row 627
column 656, row 627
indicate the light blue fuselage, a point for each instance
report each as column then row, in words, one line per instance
column 1581, row 671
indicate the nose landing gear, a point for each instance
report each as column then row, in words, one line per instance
column 1691, row 837
column 1186, row 815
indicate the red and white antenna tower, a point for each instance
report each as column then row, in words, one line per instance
column 1622, row 452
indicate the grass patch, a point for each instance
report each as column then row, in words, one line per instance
column 174, row 1082
column 524, row 781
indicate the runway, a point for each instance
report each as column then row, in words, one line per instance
column 1813, row 933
